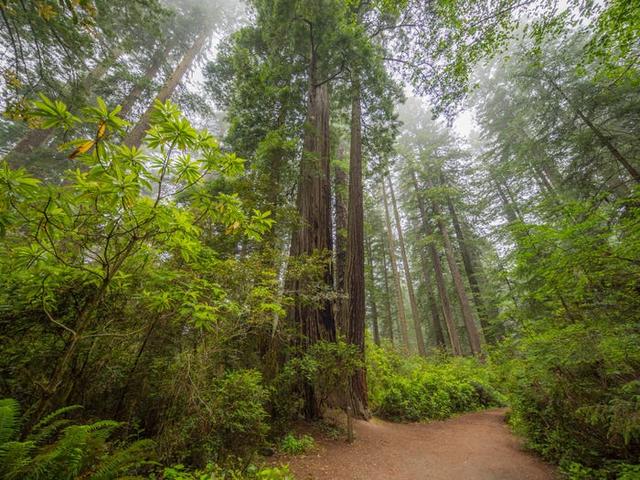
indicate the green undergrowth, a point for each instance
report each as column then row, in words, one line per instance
column 59, row 448
column 575, row 397
column 215, row 472
column 293, row 445
column 414, row 388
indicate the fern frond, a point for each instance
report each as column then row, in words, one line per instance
column 65, row 458
column 102, row 429
column 15, row 458
column 48, row 431
column 121, row 461
column 51, row 417
column 9, row 419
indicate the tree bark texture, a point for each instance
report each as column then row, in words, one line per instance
column 315, row 322
column 354, row 272
column 341, row 218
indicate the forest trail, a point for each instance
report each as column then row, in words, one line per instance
column 475, row 446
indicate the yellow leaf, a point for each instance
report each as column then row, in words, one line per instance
column 82, row 148
column 102, row 129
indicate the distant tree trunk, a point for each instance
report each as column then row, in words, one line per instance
column 36, row 138
column 510, row 210
column 447, row 311
column 372, row 296
column 387, row 297
column 606, row 142
column 135, row 136
column 340, row 208
column 314, row 321
column 152, row 70
column 467, row 314
column 404, row 332
column 407, row 274
column 433, row 306
column 469, row 268
column 354, row 273
column 32, row 140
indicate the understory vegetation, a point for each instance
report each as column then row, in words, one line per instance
column 415, row 389
column 221, row 219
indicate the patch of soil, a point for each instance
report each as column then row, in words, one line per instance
column 475, row 446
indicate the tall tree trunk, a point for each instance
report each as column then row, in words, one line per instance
column 606, row 142
column 387, row 297
column 402, row 320
column 341, row 218
column 372, row 296
column 407, row 274
column 467, row 314
column 314, row 321
column 469, row 268
column 447, row 311
column 354, row 273
column 135, row 136
column 152, row 70
column 433, row 306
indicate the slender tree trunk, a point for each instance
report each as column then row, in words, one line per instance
column 447, row 311
column 433, row 306
column 404, row 332
column 631, row 170
column 469, row 268
column 467, row 314
column 372, row 296
column 340, row 207
column 354, row 273
column 135, row 136
column 387, row 297
column 407, row 274
column 510, row 210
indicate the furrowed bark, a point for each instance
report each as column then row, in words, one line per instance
column 354, row 273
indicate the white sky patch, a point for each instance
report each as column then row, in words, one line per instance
column 464, row 123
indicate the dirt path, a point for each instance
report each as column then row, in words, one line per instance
column 476, row 446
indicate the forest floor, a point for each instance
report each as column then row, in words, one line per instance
column 475, row 446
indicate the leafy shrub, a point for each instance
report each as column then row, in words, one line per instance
column 240, row 417
column 219, row 417
column 327, row 366
column 297, row 446
column 414, row 389
column 57, row 449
